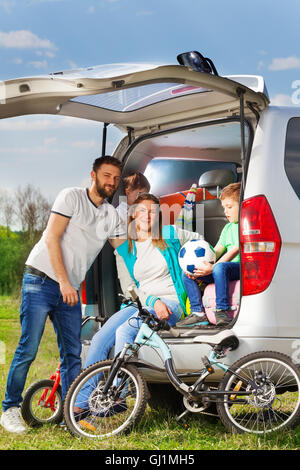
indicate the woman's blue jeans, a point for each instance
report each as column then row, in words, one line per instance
column 221, row 275
column 40, row 298
column 121, row 328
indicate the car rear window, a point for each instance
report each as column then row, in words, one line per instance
column 139, row 97
column 167, row 175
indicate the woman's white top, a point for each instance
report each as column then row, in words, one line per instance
column 151, row 271
column 145, row 264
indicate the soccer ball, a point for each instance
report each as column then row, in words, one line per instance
column 193, row 253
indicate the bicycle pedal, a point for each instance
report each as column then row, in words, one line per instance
column 184, row 426
column 178, row 419
column 87, row 425
column 236, row 389
column 207, row 365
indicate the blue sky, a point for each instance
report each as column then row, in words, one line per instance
column 43, row 36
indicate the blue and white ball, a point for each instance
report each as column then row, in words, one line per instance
column 193, row 253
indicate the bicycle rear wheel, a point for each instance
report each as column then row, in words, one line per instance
column 110, row 414
column 274, row 400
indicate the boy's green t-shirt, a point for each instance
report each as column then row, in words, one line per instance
column 229, row 238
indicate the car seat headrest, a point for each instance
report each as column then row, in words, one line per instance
column 216, row 179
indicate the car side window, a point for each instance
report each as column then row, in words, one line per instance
column 292, row 154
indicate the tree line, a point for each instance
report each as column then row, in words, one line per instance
column 23, row 217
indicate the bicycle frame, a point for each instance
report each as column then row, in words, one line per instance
column 50, row 402
column 147, row 336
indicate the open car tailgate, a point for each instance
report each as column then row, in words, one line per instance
column 145, row 99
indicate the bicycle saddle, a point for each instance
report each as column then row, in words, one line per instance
column 225, row 338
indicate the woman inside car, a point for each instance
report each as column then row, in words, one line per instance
column 148, row 259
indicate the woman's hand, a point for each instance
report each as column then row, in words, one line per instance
column 162, row 310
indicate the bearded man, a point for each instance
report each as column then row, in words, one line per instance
column 80, row 223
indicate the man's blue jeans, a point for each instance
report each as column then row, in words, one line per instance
column 121, row 328
column 40, row 298
column 221, row 275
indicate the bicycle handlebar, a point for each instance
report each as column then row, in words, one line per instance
column 161, row 324
column 132, row 293
column 88, row 318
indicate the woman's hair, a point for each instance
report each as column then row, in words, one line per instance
column 233, row 191
column 156, row 231
column 135, row 180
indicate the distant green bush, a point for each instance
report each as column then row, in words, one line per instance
column 14, row 250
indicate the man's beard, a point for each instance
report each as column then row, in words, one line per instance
column 105, row 191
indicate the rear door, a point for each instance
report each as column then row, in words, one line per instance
column 159, row 97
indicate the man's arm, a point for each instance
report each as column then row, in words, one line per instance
column 56, row 226
column 115, row 242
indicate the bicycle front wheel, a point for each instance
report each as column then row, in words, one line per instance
column 105, row 415
column 36, row 408
column 264, row 394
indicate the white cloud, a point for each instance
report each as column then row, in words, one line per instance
column 50, row 54
column 34, row 2
column 261, row 64
column 30, row 123
column 7, row 5
column 85, row 143
column 50, row 141
column 285, row 63
column 24, row 39
column 281, row 100
column 32, row 150
column 17, row 61
column 144, row 13
column 39, row 64
column 72, row 64
column 48, row 145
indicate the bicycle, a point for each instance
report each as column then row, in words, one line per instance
column 42, row 402
column 258, row 394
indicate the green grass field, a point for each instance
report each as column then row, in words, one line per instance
column 158, row 430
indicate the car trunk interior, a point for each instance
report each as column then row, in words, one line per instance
column 173, row 160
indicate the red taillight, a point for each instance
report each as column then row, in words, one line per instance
column 83, row 292
column 260, row 245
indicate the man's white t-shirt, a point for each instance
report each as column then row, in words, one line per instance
column 85, row 235
column 123, row 211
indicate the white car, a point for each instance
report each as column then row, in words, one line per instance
column 182, row 127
